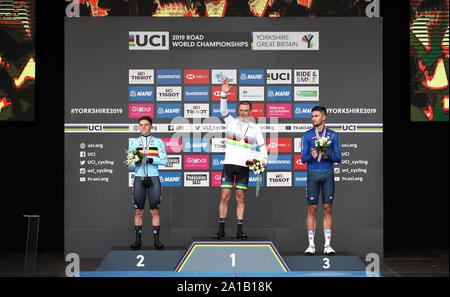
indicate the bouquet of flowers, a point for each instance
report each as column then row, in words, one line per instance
column 257, row 168
column 322, row 145
column 133, row 158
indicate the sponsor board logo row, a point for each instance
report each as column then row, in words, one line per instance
column 204, row 93
column 218, row 145
column 218, row 128
column 204, row 179
column 216, row 162
column 194, row 110
column 216, row 76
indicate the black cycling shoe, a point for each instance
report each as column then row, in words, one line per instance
column 136, row 245
column 220, row 234
column 241, row 235
column 158, row 245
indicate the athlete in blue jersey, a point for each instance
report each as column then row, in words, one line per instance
column 147, row 179
column 320, row 176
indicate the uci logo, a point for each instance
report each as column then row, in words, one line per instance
column 349, row 127
column 95, row 127
column 148, row 40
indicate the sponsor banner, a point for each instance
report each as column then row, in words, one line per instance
column 279, row 179
column 141, row 40
column 196, row 93
column 141, row 76
column 298, row 165
column 171, row 93
column 258, row 110
column 196, row 145
column 306, row 76
column 251, row 93
column 279, row 145
column 218, row 145
column 216, row 110
column 252, row 179
column 137, row 110
column 300, row 179
column 217, row 162
column 170, row 179
column 210, row 40
column 279, row 110
column 215, row 94
column 218, row 75
column 131, row 179
column 279, row 162
column 285, row 41
column 173, row 163
column 279, row 76
column 196, row 179
column 219, row 128
column 306, row 93
column 216, row 179
column 196, row 110
column 196, row 76
column 196, row 162
column 297, row 145
column 141, row 93
column 251, row 77
column 173, row 145
column 303, row 110
column 168, row 111
column 279, row 93
column 168, row 76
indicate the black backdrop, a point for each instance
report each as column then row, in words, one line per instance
column 415, row 177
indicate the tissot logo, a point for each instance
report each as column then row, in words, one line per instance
column 168, row 94
column 141, row 76
column 148, row 40
column 279, row 179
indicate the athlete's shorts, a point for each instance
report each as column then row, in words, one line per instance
column 153, row 193
column 230, row 173
column 320, row 180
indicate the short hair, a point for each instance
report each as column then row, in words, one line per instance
column 147, row 118
column 320, row 108
column 245, row 102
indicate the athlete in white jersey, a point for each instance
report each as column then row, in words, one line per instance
column 242, row 136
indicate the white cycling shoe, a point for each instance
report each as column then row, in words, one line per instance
column 311, row 250
column 328, row 250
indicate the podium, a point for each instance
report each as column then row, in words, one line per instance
column 203, row 257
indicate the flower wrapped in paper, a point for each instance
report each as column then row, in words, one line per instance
column 322, row 145
column 133, row 158
column 257, row 162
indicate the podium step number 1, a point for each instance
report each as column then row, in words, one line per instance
column 32, row 242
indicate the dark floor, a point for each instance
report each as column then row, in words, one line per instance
column 396, row 263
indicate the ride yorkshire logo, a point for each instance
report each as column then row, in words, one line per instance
column 148, row 40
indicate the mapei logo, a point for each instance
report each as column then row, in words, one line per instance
column 141, row 93
column 170, row 179
column 148, row 40
column 303, row 110
column 168, row 111
column 281, row 76
column 248, row 77
column 279, row 93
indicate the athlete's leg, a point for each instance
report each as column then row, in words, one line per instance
column 139, row 204
column 311, row 221
column 327, row 216
column 312, row 198
column 240, row 207
column 223, row 205
column 327, row 199
column 154, row 197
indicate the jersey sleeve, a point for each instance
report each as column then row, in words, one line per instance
column 162, row 154
column 335, row 155
column 306, row 151
column 227, row 117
